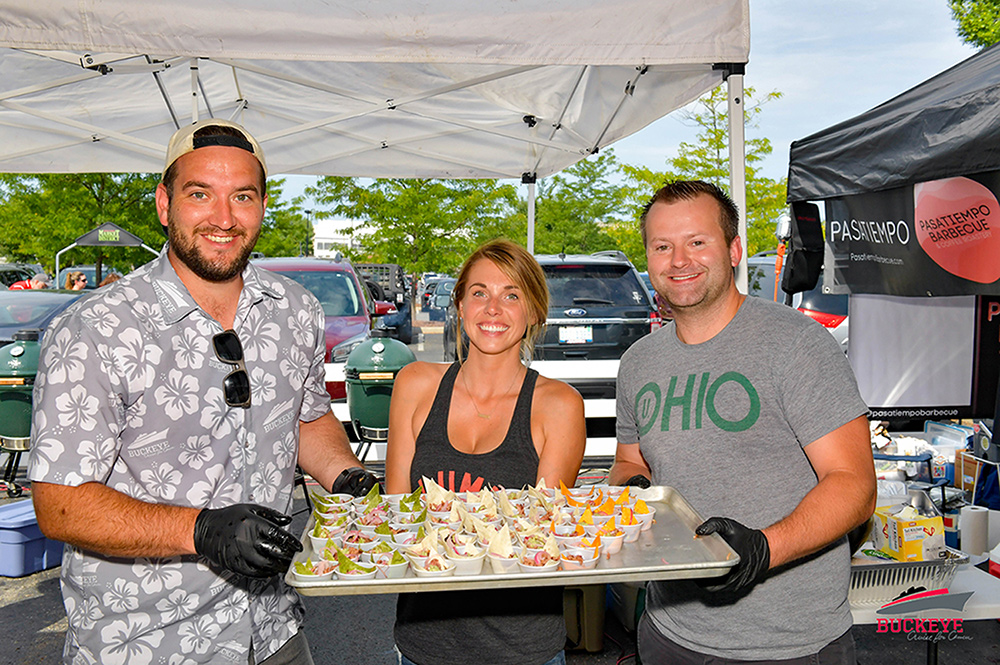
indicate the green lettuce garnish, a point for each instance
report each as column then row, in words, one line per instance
column 304, row 567
column 346, row 565
column 420, row 533
column 397, row 558
column 384, row 529
column 381, row 548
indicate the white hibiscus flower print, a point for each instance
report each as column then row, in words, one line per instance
column 129, row 642
column 76, row 408
column 149, row 314
column 301, row 325
column 262, row 342
column 244, row 455
column 285, row 449
column 44, row 451
column 196, row 451
column 122, row 597
column 190, row 349
column 232, row 607
column 101, row 319
column 203, row 492
column 135, row 413
column 178, row 605
column 138, row 361
column 199, row 634
column 155, row 575
column 180, row 659
column 87, row 614
column 96, row 457
column 179, row 395
column 217, row 416
column 64, row 358
column 161, row 481
column 264, row 483
column 294, row 366
column 264, row 385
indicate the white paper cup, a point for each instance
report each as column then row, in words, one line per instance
column 502, row 566
column 448, row 570
column 467, row 565
column 590, row 558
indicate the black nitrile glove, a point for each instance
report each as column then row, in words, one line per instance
column 246, row 539
column 750, row 544
column 638, row 480
column 354, row 481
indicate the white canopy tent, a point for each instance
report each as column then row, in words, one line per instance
column 385, row 88
column 382, row 88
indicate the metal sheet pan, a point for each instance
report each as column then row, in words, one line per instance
column 668, row 550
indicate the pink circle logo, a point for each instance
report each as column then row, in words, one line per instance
column 958, row 226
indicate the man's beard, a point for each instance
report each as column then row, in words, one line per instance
column 185, row 248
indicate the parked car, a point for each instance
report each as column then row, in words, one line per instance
column 33, row 308
column 387, row 281
column 91, row 273
column 347, row 305
column 440, row 299
column 427, row 291
column 830, row 310
column 15, row 272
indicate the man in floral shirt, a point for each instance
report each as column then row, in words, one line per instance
column 171, row 409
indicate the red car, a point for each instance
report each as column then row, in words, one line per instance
column 348, row 306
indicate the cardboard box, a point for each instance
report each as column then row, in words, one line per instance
column 918, row 539
column 23, row 548
column 968, row 468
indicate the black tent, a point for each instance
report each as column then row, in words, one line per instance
column 911, row 191
column 105, row 235
column 938, row 142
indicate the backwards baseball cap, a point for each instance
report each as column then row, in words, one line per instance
column 43, row 278
column 184, row 140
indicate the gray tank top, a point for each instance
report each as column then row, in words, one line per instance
column 495, row 626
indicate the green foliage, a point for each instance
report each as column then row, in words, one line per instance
column 422, row 225
column 42, row 214
column 286, row 230
column 708, row 159
column 573, row 208
column 978, row 21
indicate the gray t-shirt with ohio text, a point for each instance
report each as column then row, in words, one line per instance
column 725, row 422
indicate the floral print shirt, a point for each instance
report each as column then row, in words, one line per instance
column 129, row 394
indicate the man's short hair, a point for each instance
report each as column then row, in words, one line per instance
column 211, row 132
column 687, row 190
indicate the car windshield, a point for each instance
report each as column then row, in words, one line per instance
column 27, row 309
column 577, row 285
column 335, row 290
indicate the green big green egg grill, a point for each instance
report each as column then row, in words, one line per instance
column 18, row 365
column 369, row 373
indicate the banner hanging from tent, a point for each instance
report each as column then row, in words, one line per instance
column 935, row 238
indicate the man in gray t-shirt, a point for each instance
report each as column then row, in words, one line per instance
column 752, row 413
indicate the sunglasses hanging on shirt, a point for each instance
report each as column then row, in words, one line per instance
column 236, row 384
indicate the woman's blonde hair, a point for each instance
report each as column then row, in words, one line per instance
column 521, row 267
column 71, row 278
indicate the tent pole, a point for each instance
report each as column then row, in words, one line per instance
column 58, row 254
column 529, row 180
column 194, row 90
column 737, row 166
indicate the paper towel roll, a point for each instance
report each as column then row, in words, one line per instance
column 974, row 528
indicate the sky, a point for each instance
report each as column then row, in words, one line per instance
column 831, row 60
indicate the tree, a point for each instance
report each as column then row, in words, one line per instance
column 286, row 230
column 42, row 214
column 422, row 225
column 574, row 207
column 978, row 21
column 708, row 159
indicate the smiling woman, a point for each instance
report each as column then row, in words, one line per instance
column 492, row 421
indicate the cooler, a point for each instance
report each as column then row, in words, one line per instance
column 23, row 548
